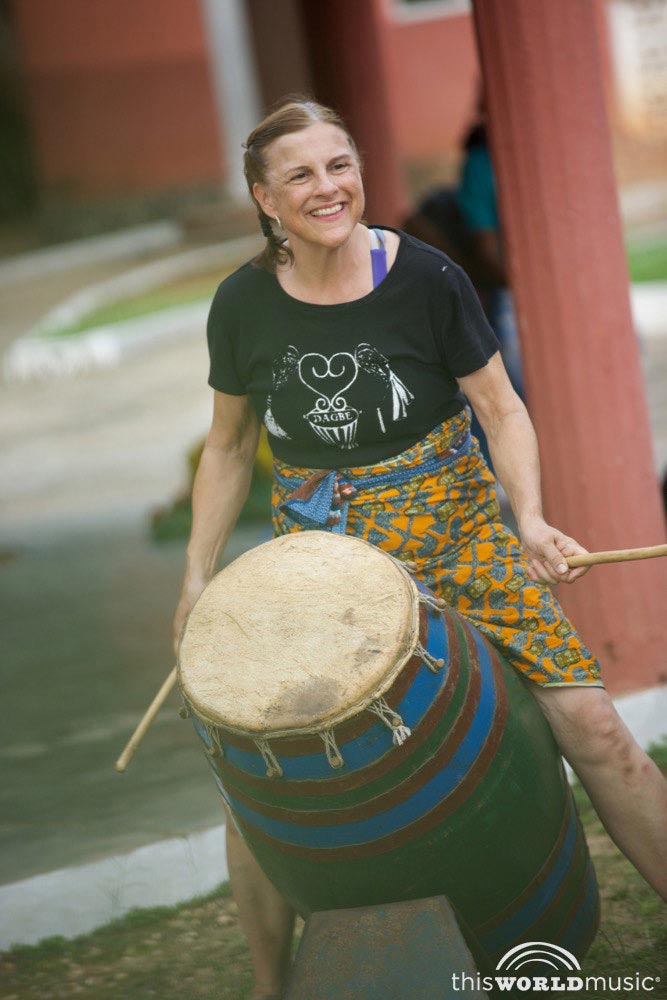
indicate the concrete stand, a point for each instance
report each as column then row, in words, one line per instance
column 389, row 952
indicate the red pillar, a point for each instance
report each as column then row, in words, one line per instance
column 347, row 42
column 552, row 151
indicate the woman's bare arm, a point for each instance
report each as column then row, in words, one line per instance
column 515, row 454
column 220, row 489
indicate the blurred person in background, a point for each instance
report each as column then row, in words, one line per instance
column 357, row 348
column 464, row 223
column 477, row 201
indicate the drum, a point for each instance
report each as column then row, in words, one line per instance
column 373, row 747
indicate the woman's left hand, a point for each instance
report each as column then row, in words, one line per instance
column 547, row 548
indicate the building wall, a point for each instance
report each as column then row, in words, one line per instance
column 120, row 100
column 283, row 64
column 434, row 76
column 119, row 94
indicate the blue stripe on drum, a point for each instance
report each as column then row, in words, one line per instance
column 500, row 938
column 413, row 808
column 371, row 745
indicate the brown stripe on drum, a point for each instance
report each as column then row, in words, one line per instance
column 583, row 910
column 552, row 924
column 549, row 923
column 576, row 879
column 233, row 776
column 358, row 725
column 584, row 885
column 452, row 802
column 584, row 942
column 504, row 915
column 400, row 792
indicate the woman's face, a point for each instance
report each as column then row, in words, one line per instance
column 314, row 185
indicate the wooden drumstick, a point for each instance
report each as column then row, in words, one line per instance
column 139, row 733
column 616, row 555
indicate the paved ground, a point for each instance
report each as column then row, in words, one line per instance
column 86, row 603
column 24, row 304
column 86, row 598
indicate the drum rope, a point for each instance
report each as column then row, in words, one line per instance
column 392, row 720
column 216, row 748
column 436, row 604
column 273, row 768
column 331, row 749
column 431, row 662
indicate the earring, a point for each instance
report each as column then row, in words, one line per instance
column 280, row 225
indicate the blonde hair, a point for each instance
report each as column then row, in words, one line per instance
column 293, row 114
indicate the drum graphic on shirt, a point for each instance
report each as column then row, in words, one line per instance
column 334, row 418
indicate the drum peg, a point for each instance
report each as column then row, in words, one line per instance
column 408, row 564
column 215, row 747
column 392, row 720
column 273, row 768
column 331, row 749
column 436, row 604
column 434, row 664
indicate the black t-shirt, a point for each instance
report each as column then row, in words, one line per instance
column 357, row 382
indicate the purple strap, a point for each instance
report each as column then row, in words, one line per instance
column 379, row 259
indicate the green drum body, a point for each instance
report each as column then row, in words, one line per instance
column 438, row 775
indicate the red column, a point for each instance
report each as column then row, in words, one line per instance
column 347, row 42
column 551, row 145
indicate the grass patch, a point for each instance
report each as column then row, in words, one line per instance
column 648, row 262
column 199, row 288
column 197, row 951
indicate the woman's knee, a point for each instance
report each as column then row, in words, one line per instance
column 588, row 729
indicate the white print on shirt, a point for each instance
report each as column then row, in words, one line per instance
column 333, row 417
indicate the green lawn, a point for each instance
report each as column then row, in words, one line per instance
column 179, row 293
column 648, row 262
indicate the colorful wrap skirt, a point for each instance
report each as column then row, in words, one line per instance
column 435, row 506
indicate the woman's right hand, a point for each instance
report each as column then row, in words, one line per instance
column 189, row 596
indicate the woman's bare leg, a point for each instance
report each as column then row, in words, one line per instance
column 625, row 786
column 266, row 918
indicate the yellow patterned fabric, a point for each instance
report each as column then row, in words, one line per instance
column 446, row 521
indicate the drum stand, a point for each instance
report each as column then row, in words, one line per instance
column 413, row 950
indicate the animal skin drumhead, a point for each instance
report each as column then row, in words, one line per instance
column 297, row 634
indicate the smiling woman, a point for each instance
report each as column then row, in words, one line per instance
column 301, row 163
column 313, row 184
column 359, row 349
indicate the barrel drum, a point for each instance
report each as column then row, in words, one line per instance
column 373, row 747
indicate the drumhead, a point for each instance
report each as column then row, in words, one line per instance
column 298, row 634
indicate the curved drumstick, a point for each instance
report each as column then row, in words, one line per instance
column 139, row 733
column 616, row 555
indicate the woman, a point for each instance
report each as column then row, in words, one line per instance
column 355, row 348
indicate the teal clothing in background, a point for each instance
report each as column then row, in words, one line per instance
column 476, row 194
column 477, row 203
